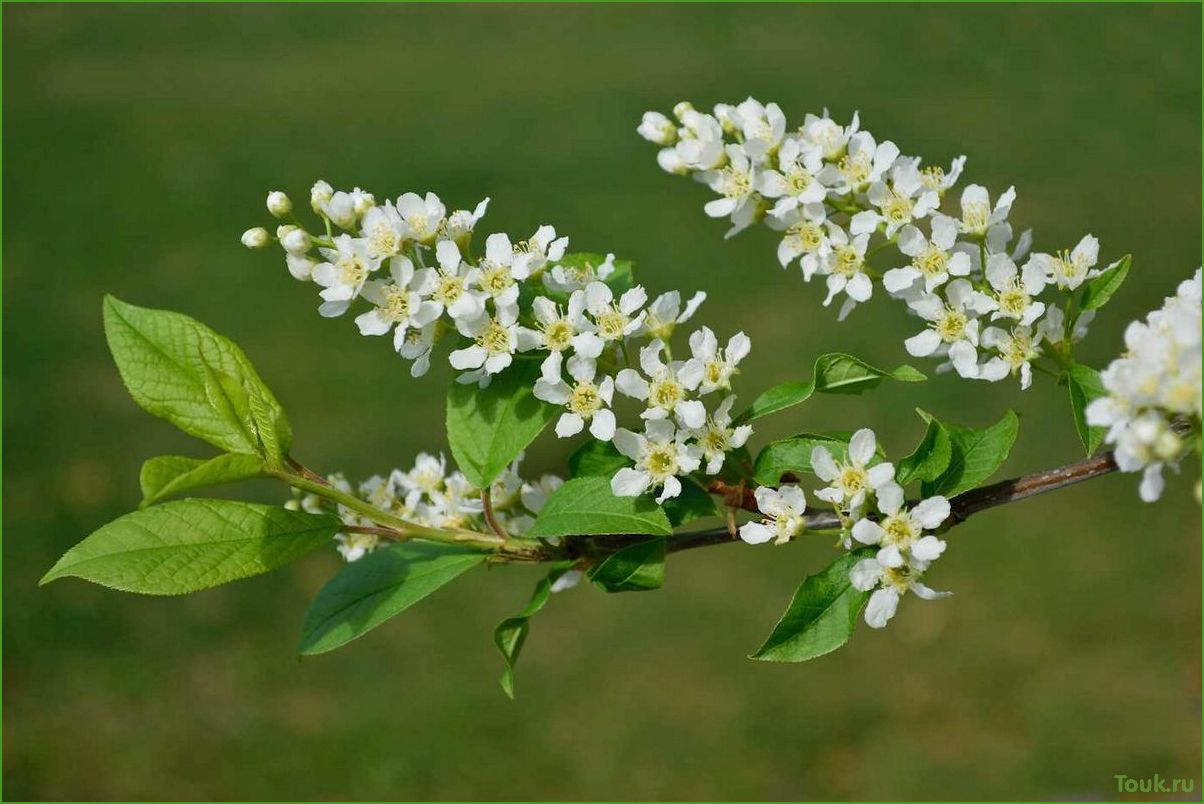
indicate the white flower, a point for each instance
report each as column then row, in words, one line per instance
column 902, row 201
column 665, row 313
column 1052, row 326
column 700, row 141
column 337, row 207
column 459, row 225
column 417, row 346
column 932, row 260
column 805, row 238
column 278, row 204
column 535, row 495
column 530, row 256
column 852, row 481
column 497, row 337
column 423, row 216
column 762, row 127
column 978, row 216
column 796, row 181
column 845, row 268
column 826, row 136
column 718, row 365
column 320, row 194
column 426, row 476
column 557, row 332
column 661, row 455
column 397, row 303
column 498, row 275
column 452, row 287
column 455, row 503
column 613, row 321
column 736, row 182
column 1070, row 269
column 657, row 129
column 865, row 163
column 934, row 177
column 783, row 508
column 384, row 231
column 354, row 546
column 893, row 582
column 296, row 241
column 343, row 274
column 584, row 401
column 952, row 326
column 717, row 437
column 256, row 238
column 667, row 387
column 567, row 581
column 1014, row 290
column 566, row 279
column 1016, row 351
column 900, row 535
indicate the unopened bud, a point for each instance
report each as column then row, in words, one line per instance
column 657, row 129
column 300, row 267
column 296, row 241
column 279, row 204
column 319, row 194
column 682, row 109
column 256, row 238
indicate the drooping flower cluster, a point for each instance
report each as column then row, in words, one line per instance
column 428, row 495
column 837, row 195
column 858, row 481
column 413, row 264
column 1152, row 410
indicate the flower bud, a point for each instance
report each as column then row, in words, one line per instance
column 319, row 194
column 296, row 241
column 301, row 267
column 657, row 129
column 284, row 229
column 725, row 113
column 671, row 162
column 362, row 201
column 279, row 204
column 682, row 109
column 256, row 238
column 341, row 210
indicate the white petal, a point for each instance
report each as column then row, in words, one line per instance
column 865, row 574
column 928, row 548
column 868, row 531
column 629, row 482
column 932, row 512
column 862, row 446
column 569, row 424
column 882, row 606
column 823, row 465
column 756, row 533
column 602, row 426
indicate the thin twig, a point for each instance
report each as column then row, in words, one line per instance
column 388, row 533
column 490, row 517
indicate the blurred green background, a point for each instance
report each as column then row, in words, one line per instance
column 140, row 141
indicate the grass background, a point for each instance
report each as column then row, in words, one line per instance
column 140, row 141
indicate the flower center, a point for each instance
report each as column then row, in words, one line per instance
column 900, row 578
column 931, row 261
column 717, row 372
column 351, row 270
column 733, row 183
column 853, row 479
column 1019, row 349
column 1066, row 270
column 1013, row 301
column 585, row 400
column 449, row 289
column 715, row 439
column 856, row 169
column 558, row 335
column 495, row 339
column 848, row 261
column 798, row 180
column 807, row 237
column 496, row 279
column 975, row 217
column 899, row 531
column 952, row 325
column 932, row 177
column 666, row 393
column 397, row 303
column 612, row 323
column 661, row 461
column 383, row 240
column 897, row 209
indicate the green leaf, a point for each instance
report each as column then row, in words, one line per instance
column 511, row 633
column 178, row 369
column 930, row 458
column 586, row 506
column 834, row 373
column 976, row 455
column 821, row 616
column 187, row 545
column 1085, row 386
column 636, row 568
column 597, row 459
column 693, row 503
column 488, row 427
column 379, row 586
column 1100, row 290
column 794, row 455
column 168, row 475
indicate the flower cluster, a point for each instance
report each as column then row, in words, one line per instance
column 1152, row 407
column 594, row 333
column 837, row 196
column 428, row 495
column 857, row 482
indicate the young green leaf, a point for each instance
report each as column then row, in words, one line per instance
column 794, row 455
column 596, row 458
column 511, row 633
column 930, row 458
column 637, row 568
column 188, row 545
column 976, row 455
column 821, row 616
column 1085, row 386
column 586, row 506
column 488, row 427
column 1100, row 290
column 693, row 503
column 380, row 586
column 168, row 475
column 834, row 373
column 179, row 369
